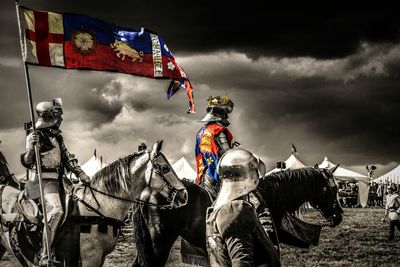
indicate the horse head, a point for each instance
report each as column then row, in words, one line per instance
column 163, row 187
column 326, row 201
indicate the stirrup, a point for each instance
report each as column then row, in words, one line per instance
column 45, row 262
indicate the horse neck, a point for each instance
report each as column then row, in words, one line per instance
column 103, row 201
column 291, row 193
column 189, row 220
column 110, row 191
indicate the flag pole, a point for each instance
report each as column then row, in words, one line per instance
column 37, row 152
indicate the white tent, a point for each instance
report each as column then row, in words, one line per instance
column 343, row 174
column 291, row 163
column 392, row 176
column 93, row 165
column 184, row 170
column 90, row 167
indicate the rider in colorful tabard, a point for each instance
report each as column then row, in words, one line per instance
column 212, row 141
column 54, row 159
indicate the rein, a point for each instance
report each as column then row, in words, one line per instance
column 330, row 209
column 136, row 201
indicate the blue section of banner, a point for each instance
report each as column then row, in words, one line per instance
column 106, row 33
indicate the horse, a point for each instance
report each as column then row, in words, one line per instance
column 284, row 192
column 91, row 229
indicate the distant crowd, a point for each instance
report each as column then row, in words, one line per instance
column 378, row 191
column 348, row 193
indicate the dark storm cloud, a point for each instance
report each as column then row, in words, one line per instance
column 356, row 124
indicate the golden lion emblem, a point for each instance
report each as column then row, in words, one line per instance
column 123, row 50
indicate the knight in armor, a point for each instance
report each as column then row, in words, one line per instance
column 55, row 159
column 236, row 232
column 212, row 141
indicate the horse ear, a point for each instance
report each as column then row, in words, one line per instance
column 334, row 169
column 156, row 149
column 159, row 145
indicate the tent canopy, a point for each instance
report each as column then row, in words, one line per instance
column 291, row 163
column 342, row 173
column 184, row 170
column 392, row 176
column 90, row 167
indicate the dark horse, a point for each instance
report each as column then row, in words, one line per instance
column 284, row 192
column 92, row 228
column 6, row 177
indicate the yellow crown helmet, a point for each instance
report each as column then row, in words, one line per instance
column 218, row 108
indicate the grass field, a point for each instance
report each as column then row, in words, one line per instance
column 360, row 240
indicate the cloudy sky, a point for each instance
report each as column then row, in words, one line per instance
column 325, row 78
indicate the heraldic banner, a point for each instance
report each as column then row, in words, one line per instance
column 81, row 42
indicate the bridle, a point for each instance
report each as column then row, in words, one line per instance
column 331, row 185
column 161, row 170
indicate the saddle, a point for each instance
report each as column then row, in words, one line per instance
column 16, row 208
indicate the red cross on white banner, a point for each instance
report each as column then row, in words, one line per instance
column 43, row 37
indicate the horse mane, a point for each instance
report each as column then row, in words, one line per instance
column 5, row 171
column 115, row 176
column 3, row 161
column 3, row 164
column 290, row 186
column 296, row 176
column 143, row 240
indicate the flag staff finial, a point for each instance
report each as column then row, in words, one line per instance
column 294, row 150
column 37, row 152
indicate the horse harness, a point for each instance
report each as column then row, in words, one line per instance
column 103, row 221
column 162, row 170
column 331, row 185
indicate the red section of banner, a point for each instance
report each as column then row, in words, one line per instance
column 104, row 58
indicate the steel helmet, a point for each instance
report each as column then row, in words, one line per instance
column 239, row 171
column 49, row 112
column 218, row 108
